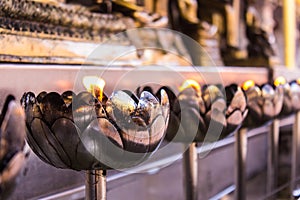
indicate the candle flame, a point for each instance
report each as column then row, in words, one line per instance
column 190, row 83
column 248, row 84
column 279, row 81
column 298, row 81
column 94, row 85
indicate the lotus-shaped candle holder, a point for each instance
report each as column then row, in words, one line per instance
column 201, row 114
column 264, row 102
column 12, row 141
column 196, row 111
column 82, row 133
column 291, row 99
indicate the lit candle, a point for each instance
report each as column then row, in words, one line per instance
column 190, row 83
column 279, row 81
column 94, row 85
column 248, row 84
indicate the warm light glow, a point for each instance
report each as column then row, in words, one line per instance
column 248, row 84
column 298, row 81
column 94, row 85
column 190, row 84
column 53, row 2
column 279, row 81
column 63, row 85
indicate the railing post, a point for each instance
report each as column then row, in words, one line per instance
column 272, row 165
column 190, row 165
column 240, row 163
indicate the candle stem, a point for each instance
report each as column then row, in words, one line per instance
column 191, row 172
column 95, row 185
column 240, row 163
column 272, row 165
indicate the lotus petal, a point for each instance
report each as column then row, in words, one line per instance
column 253, row 93
column 148, row 107
column 157, row 132
column 295, row 93
column 52, row 107
column 191, row 97
column 236, row 99
column 39, row 133
column 136, row 140
column 102, row 140
column 121, row 107
column 174, row 130
column 165, row 105
column 211, row 94
column 68, row 96
column 84, row 111
column 278, row 100
column 36, row 148
column 67, row 133
column 268, row 91
column 216, row 125
column 236, row 118
column 41, row 96
column 32, row 110
column 192, row 124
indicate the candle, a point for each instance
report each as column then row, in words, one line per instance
column 94, row 85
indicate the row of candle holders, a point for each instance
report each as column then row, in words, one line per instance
column 93, row 132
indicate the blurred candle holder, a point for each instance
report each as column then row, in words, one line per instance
column 265, row 103
column 12, row 141
column 200, row 115
column 291, row 98
column 85, row 132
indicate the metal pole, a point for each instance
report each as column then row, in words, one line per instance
column 295, row 152
column 240, row 163
column 272, row 165
column 95, row 185
column 190, row 165
column 289, row 21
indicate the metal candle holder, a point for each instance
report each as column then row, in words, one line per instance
column 12, row 141
column 80, row 132
column 202, row 114
column 264, row 104
column 291, row 99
